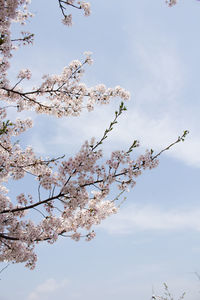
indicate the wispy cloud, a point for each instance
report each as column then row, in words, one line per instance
column 46, row 288
column 150, row 218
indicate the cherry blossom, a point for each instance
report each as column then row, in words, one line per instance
column 64, row 5
column 171, row 3
column 73, row 192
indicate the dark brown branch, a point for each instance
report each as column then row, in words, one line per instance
column 17, row 209
column 62, row 7
column 6, row 237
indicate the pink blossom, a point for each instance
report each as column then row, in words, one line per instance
column 73, row 192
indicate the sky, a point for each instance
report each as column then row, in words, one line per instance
column 152, row 51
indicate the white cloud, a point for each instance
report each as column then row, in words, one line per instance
column 48, row 287
column 147, row 218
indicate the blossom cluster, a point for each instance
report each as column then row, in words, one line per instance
column 85, row 6
column 171, row 3
column 64, row 94
column 10, row 11
column 78, row 189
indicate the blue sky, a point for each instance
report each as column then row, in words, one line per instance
column 153, row 51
